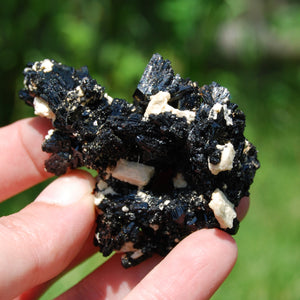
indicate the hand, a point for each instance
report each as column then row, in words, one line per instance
column 55, row 233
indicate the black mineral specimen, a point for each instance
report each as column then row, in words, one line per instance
column 174, row 161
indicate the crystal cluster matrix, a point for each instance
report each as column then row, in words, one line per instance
column 174, row 161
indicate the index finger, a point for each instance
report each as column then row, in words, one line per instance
column 22, row 159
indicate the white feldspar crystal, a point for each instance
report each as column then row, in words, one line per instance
column 41, row 108
column 179, row 181
column 216, row 109
column 45, row 65
column 159, row 104
column 223, row 209
column 125, row 208
column 133, row 172
column 102, row 185
column 98, row 199
column 79, row 90
column 137, row 254
column 109, row 98
column 226, row 162
column 144, row 197
column 49, row 134
column 104, row 190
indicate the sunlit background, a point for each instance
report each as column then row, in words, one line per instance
column 251, row 47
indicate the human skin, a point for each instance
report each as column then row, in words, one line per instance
column 54, row 233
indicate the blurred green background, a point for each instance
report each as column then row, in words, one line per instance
column 251, row 47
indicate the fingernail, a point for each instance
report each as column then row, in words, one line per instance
column 67, row 189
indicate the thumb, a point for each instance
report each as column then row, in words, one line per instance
column 40, row 241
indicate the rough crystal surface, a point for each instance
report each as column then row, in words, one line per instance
column 162, row 161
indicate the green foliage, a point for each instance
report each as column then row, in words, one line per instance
column 251, row 47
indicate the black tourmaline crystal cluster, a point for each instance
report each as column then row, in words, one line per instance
column 174, row 161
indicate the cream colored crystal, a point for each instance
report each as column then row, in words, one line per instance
column 216, row 109
column 179, row 181
column 159, row 104
column 223, row 209
column 226, row 162
column 45, row 65
column 41, row 108
column 133, row 172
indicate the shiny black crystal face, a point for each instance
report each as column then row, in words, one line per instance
column 174, row 161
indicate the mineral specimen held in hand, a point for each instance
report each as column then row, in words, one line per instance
column 173, row 162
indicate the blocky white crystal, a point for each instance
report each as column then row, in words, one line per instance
column 223, row 209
